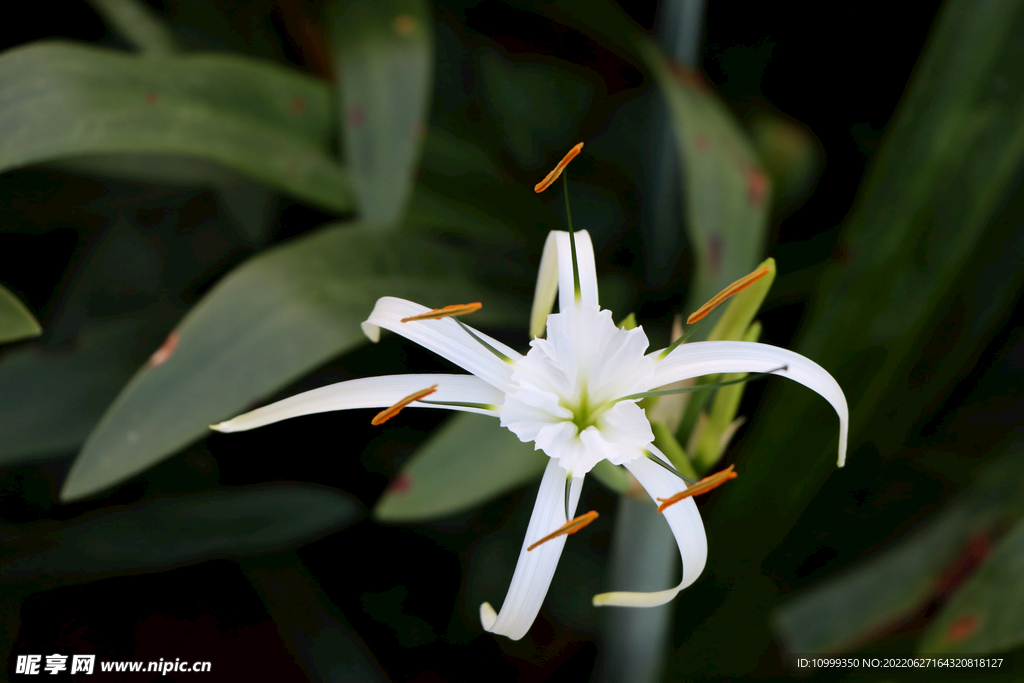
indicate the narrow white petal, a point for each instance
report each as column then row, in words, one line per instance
column 445, row 337
column 547, row 287
column 535, row 567
column 713, row 357
column 684, row 520
column 372, row 392
column 585, row 265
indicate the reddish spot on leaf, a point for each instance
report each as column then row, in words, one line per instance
column 962, row 627
column 688, row 77
column 298, row 105
column 404, row 25
column 757, row 185
column 292, row 169
column 151, row 98
column 702, row 142
column 400, row 485
column 161, row 355
column 356, row 116
column 971, row 555
column 419, row 130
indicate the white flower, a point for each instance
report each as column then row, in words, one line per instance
column 569, row 395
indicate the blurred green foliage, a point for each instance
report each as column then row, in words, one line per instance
column 851, row 610
column 904, row 277
column 16, row 322
column 63, row 100
column 383, row 54
column 726, row 193
column 451, row 473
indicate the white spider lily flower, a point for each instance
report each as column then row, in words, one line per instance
column 572, row 395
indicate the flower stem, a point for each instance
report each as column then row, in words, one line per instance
column 643, row 558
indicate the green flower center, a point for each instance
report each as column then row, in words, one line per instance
column 584, row 412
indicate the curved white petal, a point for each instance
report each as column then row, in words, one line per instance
column 625, row 425
column 373, row 392
column 445, row 337
column 585, row 264
column 547, row 287
column 713, row 357
column 686, row 525
column 535, row 567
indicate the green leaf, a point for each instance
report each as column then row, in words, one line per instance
column 946, row 166
column 467, row 462
column 16, row 322
column 52, row 397
column 987, row 613
column 268, row 322
column 537, row 106
column 60, row 100
column 172, row 532
column 457, row 158
column 886, row 590
column 384, row 60
column 138, row 25
column 726, row 192
column 907, row 288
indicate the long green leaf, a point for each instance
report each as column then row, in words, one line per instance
column 726, row 192
column 138, row 25
column 948, row 162
column 384, row 60
column 467, row 462
column 987, row 613
column 270, row 321
column 16, row 322
column 60, row 100
column 949, row 159
column 172, row 532
column 854, row 608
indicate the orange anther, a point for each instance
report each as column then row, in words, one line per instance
column 550, row 178
column 388, row 413
column 570, row 527
column 446, row 312
column 703, row 486
column 734, row 288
